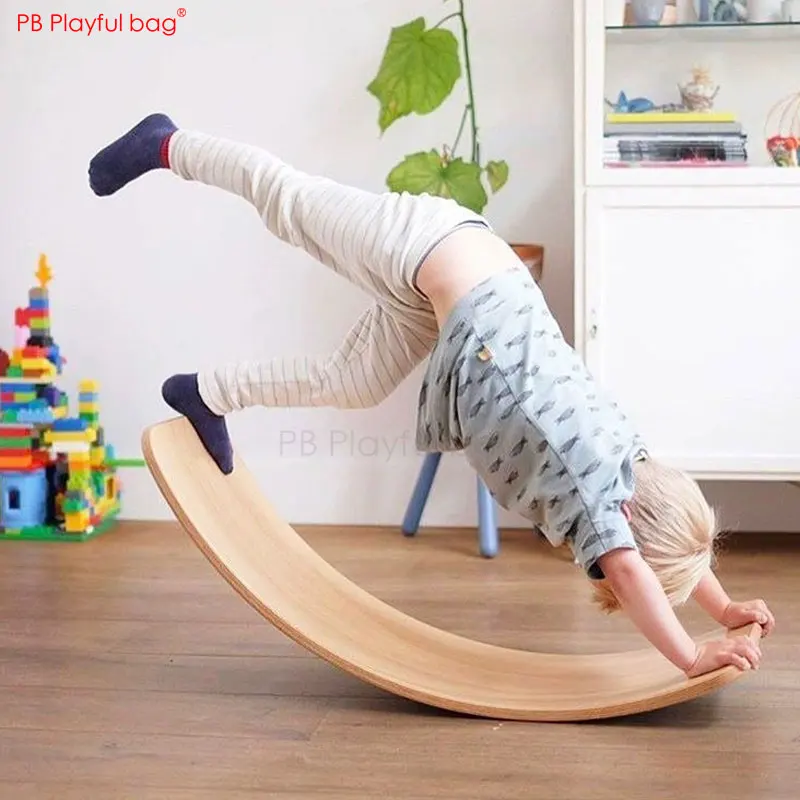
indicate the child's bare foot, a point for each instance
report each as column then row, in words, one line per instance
column 182, row 394
column 142, row 149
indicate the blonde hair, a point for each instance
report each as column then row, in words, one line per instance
column 675, row 530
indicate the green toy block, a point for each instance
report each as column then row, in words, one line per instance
column 47, row 533
column 20, row 443
column 77, row 483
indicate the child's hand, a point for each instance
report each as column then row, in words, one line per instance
column 740, row 651
column 738, row 614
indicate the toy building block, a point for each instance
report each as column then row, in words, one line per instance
column 57, row 472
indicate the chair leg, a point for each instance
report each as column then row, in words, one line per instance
column 488, row 535
column 419, row 497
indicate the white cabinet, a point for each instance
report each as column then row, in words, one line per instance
column 692, row 319
column 687, row 292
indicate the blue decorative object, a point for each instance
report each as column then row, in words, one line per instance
column 729, row 11
column 703, row 10
column 724, row 11
column 648, row 12
column 636, row 105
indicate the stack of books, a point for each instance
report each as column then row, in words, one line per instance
column 674, row 139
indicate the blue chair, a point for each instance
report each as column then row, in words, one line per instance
column 488, row 535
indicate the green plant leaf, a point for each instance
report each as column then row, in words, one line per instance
column 497, row 173
column 418, row 72
column 428, row 172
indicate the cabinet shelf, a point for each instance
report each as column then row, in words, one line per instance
column 704, row 32
column 690, row 272
column 755, row 176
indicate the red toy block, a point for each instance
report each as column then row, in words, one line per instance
column 17, row 430
column 15, row 453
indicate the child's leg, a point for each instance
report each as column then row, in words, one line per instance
column 377, row 354
column 375, row 357
column 377, row 241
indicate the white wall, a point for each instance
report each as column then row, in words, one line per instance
column 164, row 260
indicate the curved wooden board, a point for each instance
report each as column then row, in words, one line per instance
column 295, row 589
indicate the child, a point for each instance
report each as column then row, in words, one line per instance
column 502, row 385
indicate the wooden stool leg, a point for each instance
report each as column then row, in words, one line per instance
column 419, row 497
column 488, row 535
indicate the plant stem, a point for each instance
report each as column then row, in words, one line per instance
column 442, row 21
column 460, row 130
column 470, row 87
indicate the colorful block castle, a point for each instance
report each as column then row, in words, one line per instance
column 58, row 479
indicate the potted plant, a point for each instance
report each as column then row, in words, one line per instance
column 420, row 69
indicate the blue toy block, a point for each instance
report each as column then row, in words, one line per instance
column 17, row 387
column 54, row 355
column 70, row 425
column 35, row 416
column 52, row 396
column 32, row 405
column 23, row 499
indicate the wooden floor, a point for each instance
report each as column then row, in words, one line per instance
column 129, row 669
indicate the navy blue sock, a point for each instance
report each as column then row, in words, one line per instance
column 142, row 149
column 182, row 394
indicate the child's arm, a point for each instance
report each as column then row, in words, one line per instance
column 714, row 600
column 643, row 599
column 711, row 597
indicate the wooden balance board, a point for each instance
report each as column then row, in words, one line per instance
column 289, row 584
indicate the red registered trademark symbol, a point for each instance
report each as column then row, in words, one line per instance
column 181, row 12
